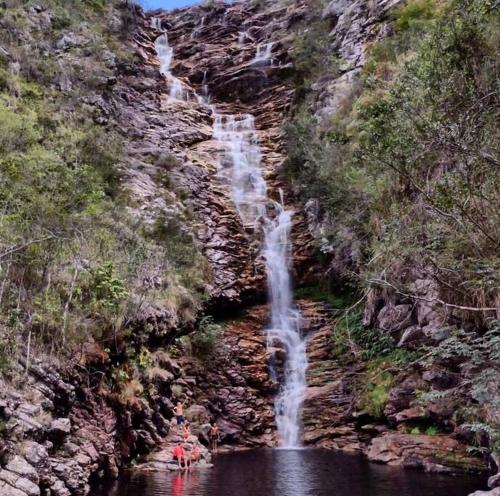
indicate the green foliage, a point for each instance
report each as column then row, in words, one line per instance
column 204, row 341
column 319, row 293
column 349, row 331
column 73, row 263
column 479, row 390
column 407, row 165
column 432, row 430
column 415, row 12
column 107, row 290
column 377, row 383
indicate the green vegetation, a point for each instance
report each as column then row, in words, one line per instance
column 407, row 165
column 349, row 333
column 319, row 293
column 204, row 341
column 74, row 264
column 479, row 392
column 377, row 383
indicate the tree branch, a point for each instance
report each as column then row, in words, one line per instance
column 430, row 300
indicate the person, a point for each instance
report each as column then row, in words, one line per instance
column 186, row 432
column 195, row 453
column 213, row 434
column 179, row 412
column 180, row 455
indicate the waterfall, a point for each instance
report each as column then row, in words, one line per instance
column 165, row 54
column 156, row 23
column 196, row 31
column 263, row 56
column 240, row 163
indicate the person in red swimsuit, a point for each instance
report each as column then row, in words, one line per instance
column 180, row 455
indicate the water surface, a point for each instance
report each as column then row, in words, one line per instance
column 293, row 473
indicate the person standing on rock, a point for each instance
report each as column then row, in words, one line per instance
column 195, row 454
column 180, row 455
column 179, row 412
column 186, row 432
column 213, row 435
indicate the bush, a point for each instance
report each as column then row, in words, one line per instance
column 205, row 339
column 395, row 163
column 371, row 342
column 375, row 392
column 414, row 13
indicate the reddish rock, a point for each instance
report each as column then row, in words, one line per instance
column 430, row 453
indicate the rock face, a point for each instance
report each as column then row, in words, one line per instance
column 61, row 429
column 430, row 453
column 55, row 436
column 234, row 384
column 214, row 51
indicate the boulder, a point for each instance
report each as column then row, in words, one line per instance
column 198, row 414
column 336, row 8
column 8, row 490
column 440, row 454
column 23, row 484
column 494, row 481
column 60, row 426
column 412, row 336
column 20, row 466
column 393, row 318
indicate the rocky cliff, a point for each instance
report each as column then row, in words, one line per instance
column 66, row 426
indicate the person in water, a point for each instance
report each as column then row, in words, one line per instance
column 213, row 435
column 180, row 455
column 179, row 412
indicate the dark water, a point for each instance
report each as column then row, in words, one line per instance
column 293, row 473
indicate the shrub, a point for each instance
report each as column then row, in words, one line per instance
column 414, row 12
column 205, row 339
column 370, row 342
column 375, row 393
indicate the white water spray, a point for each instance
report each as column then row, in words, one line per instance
column 263, row 55
column 165, row 54
column 241, row 165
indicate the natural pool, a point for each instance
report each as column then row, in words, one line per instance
column 307, row 472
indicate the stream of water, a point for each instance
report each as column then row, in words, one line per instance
column 240, row 163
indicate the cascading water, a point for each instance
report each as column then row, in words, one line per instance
column 241, row 164
column 165, row 54
column 263, row 56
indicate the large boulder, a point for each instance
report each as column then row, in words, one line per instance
column 393, row 318
column 440, row 454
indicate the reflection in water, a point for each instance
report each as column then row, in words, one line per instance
column 292, row 473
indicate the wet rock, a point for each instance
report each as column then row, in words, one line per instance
column 440, row 454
